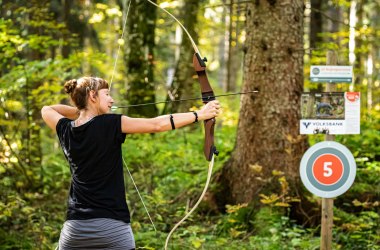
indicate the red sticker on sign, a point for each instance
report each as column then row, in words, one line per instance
column 352, row 96
column 328, row 169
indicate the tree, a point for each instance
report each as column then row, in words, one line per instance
column 316, row 22
column 268, row 131
column 140, row 57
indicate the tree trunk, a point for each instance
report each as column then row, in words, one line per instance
column 233, row 60
column 66, row 18
column 359, row 61
column 140, row 58
column 223, row 49
column 268, row 130
column 32, row 135
column 315, row 23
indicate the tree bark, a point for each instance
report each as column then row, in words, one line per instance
column 359, row 62
column 233, row 60
column 315, row 23
column 268, row 129
column 140, row 58
column 32, row 136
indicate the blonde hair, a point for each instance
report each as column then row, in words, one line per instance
column 79, row 89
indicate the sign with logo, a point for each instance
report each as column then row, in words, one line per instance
column 331, row 73
column 328, row 169
column 330, row 113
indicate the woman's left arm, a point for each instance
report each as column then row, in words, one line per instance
column 52, row 114
column 168, row 122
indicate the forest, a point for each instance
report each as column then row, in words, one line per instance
column 258, row 55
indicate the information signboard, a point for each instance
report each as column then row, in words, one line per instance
column 331, row 73
column 330, row 113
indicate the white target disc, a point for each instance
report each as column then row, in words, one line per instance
column 328, row 169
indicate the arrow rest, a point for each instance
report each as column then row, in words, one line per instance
column 215, row 151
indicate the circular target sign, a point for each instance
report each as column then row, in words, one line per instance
column 328, row 169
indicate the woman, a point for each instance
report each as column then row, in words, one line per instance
column 97, row 213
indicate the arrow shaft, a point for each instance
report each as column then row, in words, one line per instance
column 181, row 100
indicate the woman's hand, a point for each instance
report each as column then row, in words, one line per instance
column 210, row 110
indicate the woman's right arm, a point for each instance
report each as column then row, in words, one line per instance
column 163, row 123
column 52, row 114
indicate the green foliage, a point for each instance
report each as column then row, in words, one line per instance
column 358, row 220
column 25, row 224
column 357, row 231
column 169, row 168
column 236, row 222
column 10, row 41
column 365, row 145
column 273, row 230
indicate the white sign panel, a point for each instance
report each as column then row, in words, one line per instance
column 331, row 74
column 330, row 113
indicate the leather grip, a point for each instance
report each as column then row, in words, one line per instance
column 209, row 138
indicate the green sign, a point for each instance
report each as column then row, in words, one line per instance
column 331, row 74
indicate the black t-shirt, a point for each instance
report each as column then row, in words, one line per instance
column 93, row 151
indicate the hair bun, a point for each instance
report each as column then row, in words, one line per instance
column 70, row 86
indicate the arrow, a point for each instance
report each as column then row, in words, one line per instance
column 181, row 100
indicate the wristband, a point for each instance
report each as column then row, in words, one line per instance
column 172, row 122
column 196, row 117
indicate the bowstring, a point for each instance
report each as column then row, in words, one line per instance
column 112, row 76
column 210, row 167
column 119, row 41
column 134, row 184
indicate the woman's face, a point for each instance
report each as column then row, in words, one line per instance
column 105, row 101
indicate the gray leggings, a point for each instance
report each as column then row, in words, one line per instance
column 100, row 233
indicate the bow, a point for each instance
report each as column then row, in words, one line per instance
column 207, row 95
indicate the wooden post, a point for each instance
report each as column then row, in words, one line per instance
column 327, row 223
column 328, row 203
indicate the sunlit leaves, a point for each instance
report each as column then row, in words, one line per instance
column 269, row 199
column 235, row 208
column 283, row 197
column 96, row 18
column 10, row 40
column 13, row 105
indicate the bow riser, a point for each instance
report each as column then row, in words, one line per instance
column 207, row 96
